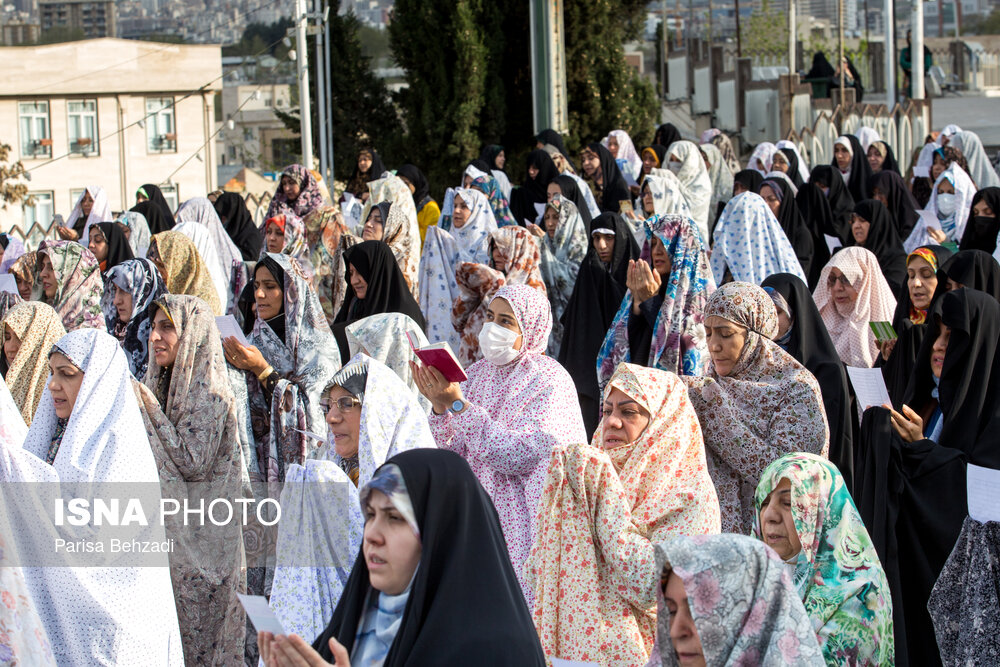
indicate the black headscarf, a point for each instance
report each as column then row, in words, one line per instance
column 810, row 343
column 976, row 270
column 901, row 204
column 793, row 166
column 981, row 231
column 666, row 134
column 861, row 171
column 840, row 200
column 750, row 179
column 154, row 217
column 533, row 190
column 889, row 162
column 387, row 289
column 421, row 188
column 659, row 151
column 883, row 242
column 4, row 240
column 489, row 155
column 615, row 190
column 795, row 228
column 570, row 189
column 592, row 306
column 118, row 248
column 815, row 211
column 277, row 323
column 238, row 223
column 821, row 67
column 358, row 183
column 553, row 138
column 155, row 195
column 465, row 606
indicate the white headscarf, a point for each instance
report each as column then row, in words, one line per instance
column 721, row 176
column 750, row 242
column 383, row 337
column 965, row 190
column 980, row 168
column 118, row 614
column 926, row 158
column 203, row 242
column 99, row 212
column 321, row 528
column 765, row 153
column 803, row 165
column 867, row 136
column 667, row 194
column 626, row 151
column 696, row 186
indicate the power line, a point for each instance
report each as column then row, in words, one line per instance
column 165, row 47
column 200, row 89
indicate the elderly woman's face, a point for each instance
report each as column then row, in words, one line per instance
column 290, row 187
column 725, row 343
column 624, row 420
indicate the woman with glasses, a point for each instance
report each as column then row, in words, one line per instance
column 292, row 354
column 851, row 293
column 370, row 416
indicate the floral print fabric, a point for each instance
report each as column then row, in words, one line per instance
column 848, row 326
column 186, row 272
column 309, row 199
column 39, row 327
column 679, row 335
column 384, row 338
column 79, row 285
column 329, row 278
column 696, row 185
column 488, row 185
column 400, row 231
column 837, row 573
column 138, row 231
column 767, row 406
column 742, row 603
column 478, row 284
column 140, row 279
column 23, row 640
column 515, row 414
column 560, row 263
column 750, row 244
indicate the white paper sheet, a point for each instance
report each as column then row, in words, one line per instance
column 559, row 662
column 260, row 614
column 228, row 327
column 832, row 242
column 869, row 386
column 984, row 493
column 8, row 283
column 310, row 434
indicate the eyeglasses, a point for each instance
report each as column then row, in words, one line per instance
column 344, row 404
column 831, row 281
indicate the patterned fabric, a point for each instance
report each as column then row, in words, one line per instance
column 384, row 338
column 721, row 177
column 679, row 335
column 333, row 239
column 400, row 231
column 667, row 193
column 79, row 285
column 310, row 197
column 965, row 598
column 8, row 301
column 138, row 231
column 85, row 609
column 764, row 153
column 837, row 572
column 696, row 186
column 561, row 257
column 316, row 542
column 848, row 326
column 744, row 607
column 11, row 252
column 725, row 146
column 515, row 414
column 294, row 229
column 767, row 406
column 205, row 246
column 478, row 284
column 186, row 272
column 195, row 439
column 39, row 327
column 953, row 225
column 592, row 571
column 750, row 244
column 627, row 158
column 203, row 212
column 307, row 358
column 980, row 168
column 140, row 279
column 25, row 268
column 498, row 203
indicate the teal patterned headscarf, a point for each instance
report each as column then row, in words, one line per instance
column 838, row 574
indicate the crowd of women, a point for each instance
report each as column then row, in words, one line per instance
column 655, row 456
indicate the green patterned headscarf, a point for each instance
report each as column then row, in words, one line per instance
column 838, row 574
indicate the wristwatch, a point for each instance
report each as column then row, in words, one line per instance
column 457, row 406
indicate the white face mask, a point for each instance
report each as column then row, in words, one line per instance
column 497, row 343
column 674, row 166
column 945, row 205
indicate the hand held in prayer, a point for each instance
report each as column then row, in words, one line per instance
column 887, row 347
column 643, row 282
column 936, row 234
column 909, row 427
column 293, row 651
column 435, row 388
column 536, row 230
column 247, row 358
column 66, row 234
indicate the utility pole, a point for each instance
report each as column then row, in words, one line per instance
column 890, row 60
column 917, row 51
column 302, row 62
column 739, row 38
column 321, row 93
column 792, row 36
column 329, row 83
column 840, row 61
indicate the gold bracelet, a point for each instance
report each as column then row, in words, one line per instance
column 267, row 371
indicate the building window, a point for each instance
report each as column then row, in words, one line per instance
column 40, row 212
column 161, row 132
column 82, row 127
column 36, row 141
column 172, row 195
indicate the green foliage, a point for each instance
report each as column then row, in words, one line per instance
column 260, row 38
column 982, row 25
column 163, row 38
column 766, row 32
column 61, row 34
column 13, row 189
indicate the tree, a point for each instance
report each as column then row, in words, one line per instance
column 260, row 38
column 766, row 32
column 13, row 190
column 59, row 34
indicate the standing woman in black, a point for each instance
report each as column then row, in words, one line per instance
column 238, row 223
column 984, row 223
column 802, row 334
column 779, row 198
column 889, row 188
column 541, row 171
column 829, row 180
column 850, row 159
column 605, row 178
column 873, row 230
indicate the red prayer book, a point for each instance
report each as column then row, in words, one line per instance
column 440, row 356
